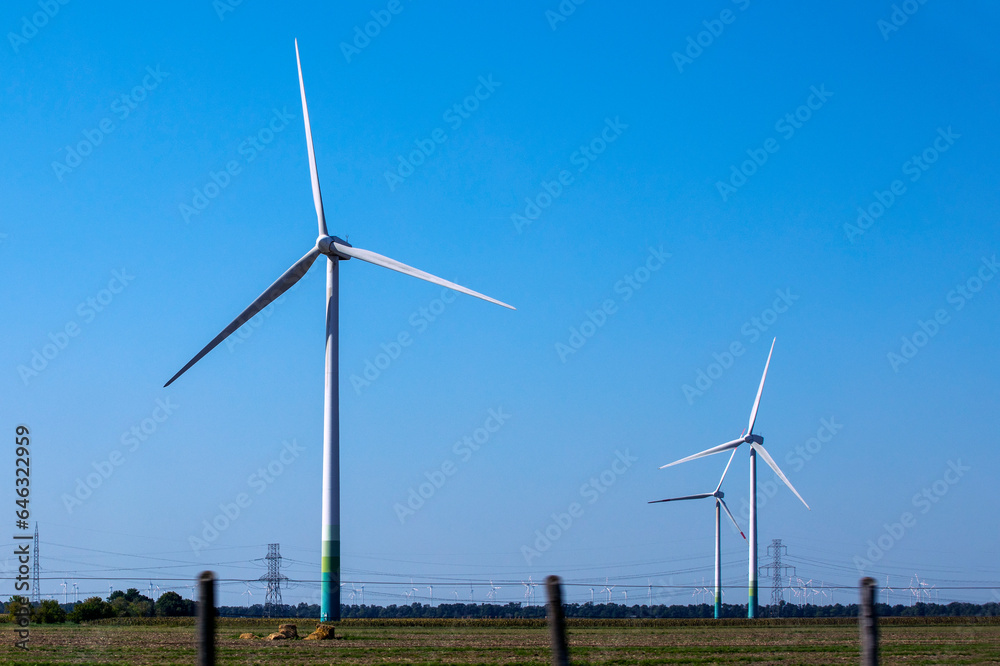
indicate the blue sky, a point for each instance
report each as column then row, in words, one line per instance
column 695, row 170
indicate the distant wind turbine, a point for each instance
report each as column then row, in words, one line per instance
column 492, row 594
column 720, row 504
column 756, row 443
column 335, row 250
column 608, row 589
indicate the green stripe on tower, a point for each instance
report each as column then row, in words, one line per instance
column 330, row 573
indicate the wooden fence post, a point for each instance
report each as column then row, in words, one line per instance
column 206, row 619
column 557, row 622
column 868, row 623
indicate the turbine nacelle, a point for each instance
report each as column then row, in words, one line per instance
column 328, row 246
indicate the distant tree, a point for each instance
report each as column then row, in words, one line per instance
column 14, row 606
column 144, row 607
column 171, row 604
column 93, row 608
column 49, row 612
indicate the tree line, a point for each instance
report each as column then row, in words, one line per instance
column 119, row 604
column 170, row 604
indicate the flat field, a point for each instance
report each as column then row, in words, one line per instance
column 903, row 641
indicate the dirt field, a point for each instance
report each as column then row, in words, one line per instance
column 514, row 642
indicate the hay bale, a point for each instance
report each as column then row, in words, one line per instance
column 289, row 630
column 322, row 633
column 247, row 636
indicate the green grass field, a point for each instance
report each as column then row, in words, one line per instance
column 903, row 641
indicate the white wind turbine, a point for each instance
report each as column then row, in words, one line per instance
column 720, row 504
column 756, row 443
column 915, row 591
column 529, row 590
column 336, row 250
column 887, row 589
column 608, row 589
column 492, row 594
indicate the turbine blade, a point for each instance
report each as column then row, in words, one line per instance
column 280, row 286
column 730, row 514
column 762, row 452
column 760, row 389
column 392, row 264
column 313, row 173
column 707, row 452
column 719, row 487
column 676, row 499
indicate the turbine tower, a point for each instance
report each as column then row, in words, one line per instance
column 720, row 504
column 336, row 250
column 756, row 443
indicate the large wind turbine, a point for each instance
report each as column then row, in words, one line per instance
column 336, row 250
column 756, row 443
column 720, row 504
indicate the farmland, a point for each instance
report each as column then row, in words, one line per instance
column 903, row 640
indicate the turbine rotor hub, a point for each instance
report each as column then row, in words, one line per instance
column 325, row 244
